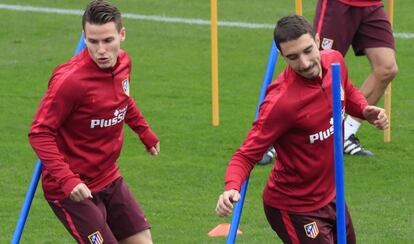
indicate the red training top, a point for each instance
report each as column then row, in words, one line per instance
column 296, row 118
column 361, row 3
column 77, row 131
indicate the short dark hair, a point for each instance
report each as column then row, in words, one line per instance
column 101, row 12
column 291, row 28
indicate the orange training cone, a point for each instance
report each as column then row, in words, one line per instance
column 222, row 230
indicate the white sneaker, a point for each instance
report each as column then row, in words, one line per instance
column 268, row 156
column 352, row 146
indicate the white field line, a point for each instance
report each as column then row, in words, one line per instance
column 157, row 18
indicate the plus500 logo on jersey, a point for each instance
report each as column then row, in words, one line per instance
column 323, row 135
column 119, row 116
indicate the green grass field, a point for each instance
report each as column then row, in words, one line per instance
column 171, row 84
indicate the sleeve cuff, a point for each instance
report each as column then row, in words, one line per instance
column 68, row 186
column 232, row 185
column 149, row 138
column 360, row 115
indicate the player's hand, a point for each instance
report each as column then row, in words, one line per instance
column 376, row 116
column 225, row 202
column 155, row 150
column 80, row 193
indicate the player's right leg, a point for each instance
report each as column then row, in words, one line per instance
column 85, row 221
column 308, row 228
column 125, row 216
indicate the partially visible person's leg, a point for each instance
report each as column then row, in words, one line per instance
column 384, row 69
column 309, row 228
column 374, row 39
column 305, row 228
column 329, row 15
column 350, row 232
column 282, row 226
column 85, row 221
column 125, row 216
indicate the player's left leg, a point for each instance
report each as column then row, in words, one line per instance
column 125, row 216
column 384, row 69
column 374, row 38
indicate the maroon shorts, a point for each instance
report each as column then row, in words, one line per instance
column 111, row 215
column 340, row 25
column 314, row 227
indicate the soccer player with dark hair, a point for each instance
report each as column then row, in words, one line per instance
column 364, row 25
column 296, row 119
column 77, row 133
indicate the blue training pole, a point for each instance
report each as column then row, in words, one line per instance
column 27, row 203
column 338, row 152
column 33, row 183
column 81, row 45
column 235, row 220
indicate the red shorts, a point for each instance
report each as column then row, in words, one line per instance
column 318, row 226
column 111, row 215
column 340, row 25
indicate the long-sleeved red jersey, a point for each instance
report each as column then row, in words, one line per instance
column 78, row 129
column 296, row 118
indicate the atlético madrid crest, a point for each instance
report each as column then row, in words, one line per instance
column 327, row 43
column 311, row 230
column 125, row 86
column 95, row 238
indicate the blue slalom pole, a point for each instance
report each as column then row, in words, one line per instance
column 27, row 203
column 235, row 220
column 33, row 183
column 270, row 68
column 81, row 45
column 338, row 152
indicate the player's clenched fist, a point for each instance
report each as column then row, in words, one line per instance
column 80, row 193
column 225, row 202
column 376, row 116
